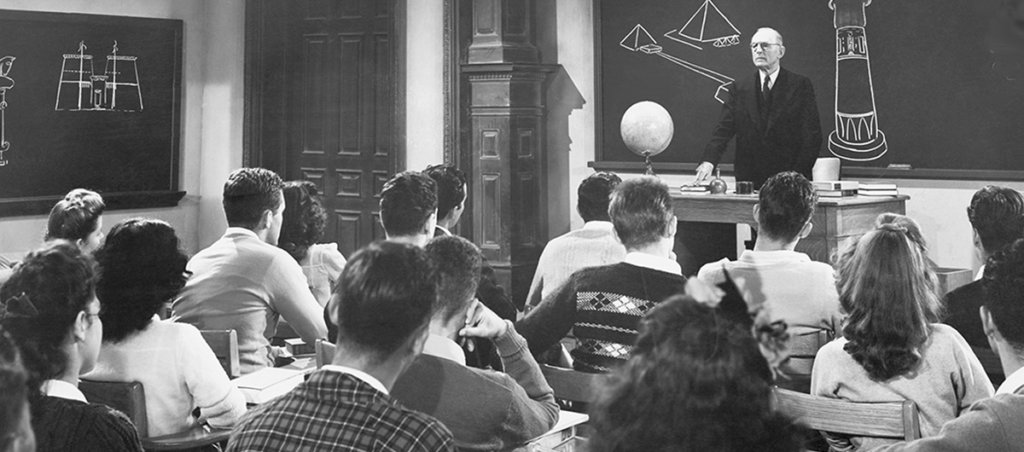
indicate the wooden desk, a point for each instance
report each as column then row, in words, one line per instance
column 837, row 221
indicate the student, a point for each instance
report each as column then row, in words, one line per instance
column 765, row 276
column 142, row 268
column 382, row 306
column 15, row 421
column 52, row 314
column 78, row 218
column 994, row 423
column 593, row 245
column 484, row 409
column 603, row 305
column 892, row 349
column 304, row 223
column 243, row 282
column 694, row 382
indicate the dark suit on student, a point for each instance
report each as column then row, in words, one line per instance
column 782, row 133
column 962, row 307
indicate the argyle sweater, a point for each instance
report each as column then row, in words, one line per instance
column 603, row 306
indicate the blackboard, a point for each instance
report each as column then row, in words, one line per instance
column 91, row 101
column 948, row 77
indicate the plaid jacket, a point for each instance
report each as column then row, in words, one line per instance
column 338, row 412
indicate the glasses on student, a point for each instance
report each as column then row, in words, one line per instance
column 763, row 45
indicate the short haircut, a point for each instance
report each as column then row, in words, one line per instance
column 248, row 193
column 457, row 262
column 304, row 218
column 451, row 187
column 76, row 216
column 641, row 211
column 594, row 195
column 142, row 268
column 58, row 280
column 997, row 213
column 770, row 29
column 386, row 294
column 406, row 203
column 787, row 201
column 13, row 392
column 1003, row 284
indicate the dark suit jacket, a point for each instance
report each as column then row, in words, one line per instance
column 962, row 307
column 788, row 139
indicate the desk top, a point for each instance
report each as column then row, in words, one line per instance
column 752, row 199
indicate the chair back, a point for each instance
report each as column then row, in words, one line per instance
column 572, row 385
column 991, row 363
column 324, row 352
column 224, row 344
column 128, row 398
column 802, row 350
column 883, row 419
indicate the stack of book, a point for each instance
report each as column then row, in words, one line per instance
column 267, row 384
column 879, row 189
column 836, row 188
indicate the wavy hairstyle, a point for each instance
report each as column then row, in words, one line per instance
column 76, row 216
column 59, row 281
column 304, row 218
column 888, row 290
column 695, row 382
column 141, row 267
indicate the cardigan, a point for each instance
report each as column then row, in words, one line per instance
column 322, row 266
column 592, row 245
column 62, row 425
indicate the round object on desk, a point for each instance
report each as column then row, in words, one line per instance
column 646, row 128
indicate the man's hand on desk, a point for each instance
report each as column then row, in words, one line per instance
column 703, row 171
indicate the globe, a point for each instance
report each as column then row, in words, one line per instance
column 646, row 130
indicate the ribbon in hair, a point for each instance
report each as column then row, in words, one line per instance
column 18, row 306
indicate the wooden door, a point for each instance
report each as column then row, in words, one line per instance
column 325, row 103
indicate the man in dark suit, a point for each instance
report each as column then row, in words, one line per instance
column 773, row 115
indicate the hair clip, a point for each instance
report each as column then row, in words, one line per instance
column 18, row 306
column 772, row 338
column 892, row 227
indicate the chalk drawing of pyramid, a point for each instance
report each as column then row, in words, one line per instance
column 640, row 39
column 707, row 25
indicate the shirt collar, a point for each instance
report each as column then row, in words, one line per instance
column 241, row 231
column 62, row 389
column 598, row 225
column 771, row 257
column 445, row 348
column 1012, row 383
column 367, row 378
column 773, row 77
column 443, row 229
column 653, row 262
column 981, row 273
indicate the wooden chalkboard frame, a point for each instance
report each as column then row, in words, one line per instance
column 162, row 191
column 601, row 163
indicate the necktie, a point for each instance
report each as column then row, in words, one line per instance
column 766, row 90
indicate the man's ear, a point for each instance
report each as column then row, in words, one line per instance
column 782, row 51
column 756, row 212
column 428, row 227
column 81, row 326
column 672, row 225
column 987, row 324
column 806, row 230
column 265, row 220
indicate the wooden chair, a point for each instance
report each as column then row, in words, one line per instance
column 885, row 419
column 572, row 385
column 130, row 398
column 324, row 352
column 802, row 350
column 224, row 344
column 991, row 363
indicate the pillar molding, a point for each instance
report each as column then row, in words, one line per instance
column 502, row 32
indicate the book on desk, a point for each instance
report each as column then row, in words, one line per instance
column 269, row 383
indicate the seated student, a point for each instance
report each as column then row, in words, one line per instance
column 51, row 312
column 15, row 420
column 485, row 410
column 141, row 269
column 695, row 381
column 592, row 245
column 997, row 216
column 382, row 306
column 602, row 305
column 304, row 223
column 243, row 282
column 766, row 276
column 993, row 423
column 892, row 349
column 78, row 218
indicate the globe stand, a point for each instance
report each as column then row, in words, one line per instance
column 648, row 167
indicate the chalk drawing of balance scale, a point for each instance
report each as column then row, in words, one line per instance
column 117, row 89
column 707, row 25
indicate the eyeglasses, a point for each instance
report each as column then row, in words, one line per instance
column 763, row 45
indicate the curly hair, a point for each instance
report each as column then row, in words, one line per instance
column 451, row 187
column 888, row 290
column 786, row 202
column 1003, row 284
column 406, row 203
column 248, row 193
column 13, row 391
column 304, row 218
column 134, row 284
column 594, row 194
column 59, row 280
column 641, row 211
column 76, row 216
column 695, row 382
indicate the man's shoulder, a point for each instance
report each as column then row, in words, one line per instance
column 972, row 291
column 431, row 374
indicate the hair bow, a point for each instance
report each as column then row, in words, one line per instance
column 18, row 306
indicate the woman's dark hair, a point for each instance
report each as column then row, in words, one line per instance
column 695, row 382
column 76, row 216
column 141, row 268
column 888, row 290
column 13, row 391
column 49, row 288
column 304, row 218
